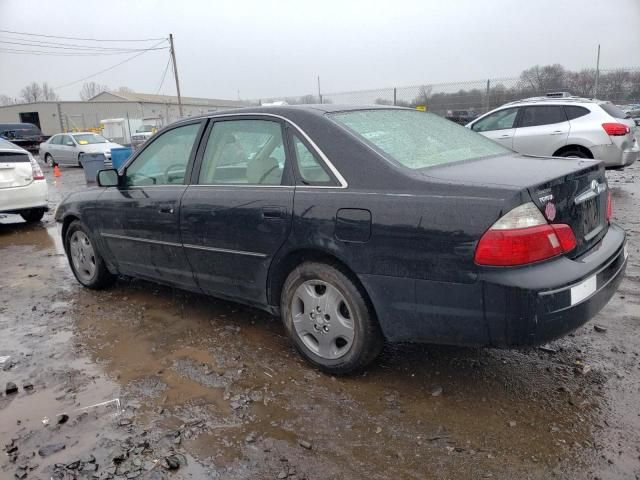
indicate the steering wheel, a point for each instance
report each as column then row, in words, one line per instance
column 168, row 169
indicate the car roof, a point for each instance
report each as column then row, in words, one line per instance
column 283, row 110
column 7, row 146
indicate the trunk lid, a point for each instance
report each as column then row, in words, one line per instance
column 571, row 191
column 15, row 169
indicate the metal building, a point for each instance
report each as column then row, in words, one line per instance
column 57, row 117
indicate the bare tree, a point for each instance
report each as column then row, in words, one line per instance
column 91, row 89
column 424, row 95
column 34, row 92
column 7, row 100
column 582, row 83
column 540, row 80
column 124, row 90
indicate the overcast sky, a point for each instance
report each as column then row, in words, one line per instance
column 276, row 48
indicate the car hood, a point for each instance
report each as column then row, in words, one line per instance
column 515, row 171
column 99, row 147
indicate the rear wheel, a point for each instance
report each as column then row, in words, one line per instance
column 329, row 320
column 32, row 215
column 85, row 260
column 49, row 160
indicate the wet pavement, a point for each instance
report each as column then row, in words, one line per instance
column 144, row 381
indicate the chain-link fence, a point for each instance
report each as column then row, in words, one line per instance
column 456, row 99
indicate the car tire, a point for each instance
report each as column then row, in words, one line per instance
column 80, row 160
column 32, row 215
column 573, row 154
column 329, row 319
column 49, row 160
column 84, row 258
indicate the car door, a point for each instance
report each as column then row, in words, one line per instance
column 53, row 147
column 237, row 212
column 140, row 219
column 541, row 130
column 498, row 126
column 68, row 151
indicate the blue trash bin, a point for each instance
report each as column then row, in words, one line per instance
column 92, row 163
column 119, row 156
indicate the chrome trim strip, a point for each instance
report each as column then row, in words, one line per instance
column 321, row 154
column 241, row 185
column 583, row 197
column 594, row 232
column 225, row 250
column 143, row 240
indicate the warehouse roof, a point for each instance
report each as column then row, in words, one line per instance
column 172, row 99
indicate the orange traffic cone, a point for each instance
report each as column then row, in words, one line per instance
column 56, row 171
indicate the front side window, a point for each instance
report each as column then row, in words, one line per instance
column 164, row 161
column 416, row 139
column 542, row 115
column 500, row 120
column 249, row 152
column 310, row 169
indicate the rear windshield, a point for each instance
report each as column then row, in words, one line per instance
column 614, row 111
column 89, row 139
column 19, row 130
column 13, row 157
column 417, row 139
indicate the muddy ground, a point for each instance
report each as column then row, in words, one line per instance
column 143, row 381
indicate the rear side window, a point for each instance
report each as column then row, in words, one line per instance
column 13, row 157
column 309, row 167
column 542, row 115
column 57, row 140
column 573, row 111
column 416, row 139
column 614, row 111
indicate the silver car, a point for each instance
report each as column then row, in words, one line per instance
column 563, row 126
column 68, row 148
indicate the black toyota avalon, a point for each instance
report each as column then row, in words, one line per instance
column 357, row 226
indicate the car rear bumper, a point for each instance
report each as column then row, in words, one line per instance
column 614, row 156
column 33, row 195
column 529, row 306
column 506, row 306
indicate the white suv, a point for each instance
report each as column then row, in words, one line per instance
column 23, row 189
column 560, row 125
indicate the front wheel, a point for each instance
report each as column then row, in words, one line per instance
column 329, row 320
column 49, row 160
column 85, row 260
column 32, row 215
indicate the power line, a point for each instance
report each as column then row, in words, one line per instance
column 79, row 38
column 163, row 75
column 64, row 46
column 70, row 54
column 107, row 69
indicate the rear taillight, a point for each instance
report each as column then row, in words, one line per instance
column 609, row 206
column 616, row 129
column 36, row 171
column 523, row 236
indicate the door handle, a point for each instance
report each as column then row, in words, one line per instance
column 166, row 209
column 273, row 212
column 557, row 132
column 505, row 136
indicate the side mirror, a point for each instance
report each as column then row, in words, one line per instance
column 71, row 144
column 108, row 178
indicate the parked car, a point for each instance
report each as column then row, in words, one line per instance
column 144, row 133
column 462, row 117
column 23, row 189
column 356, row 225
column 24, row 135
column 563, row 127
column 68, row 148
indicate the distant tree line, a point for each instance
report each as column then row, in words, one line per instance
column 36, row 92
column 619, row 86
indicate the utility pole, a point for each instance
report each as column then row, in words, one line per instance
column 595, row 92
column 175, row 73
column 319, row 94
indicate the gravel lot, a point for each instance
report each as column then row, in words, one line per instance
column 143, row 381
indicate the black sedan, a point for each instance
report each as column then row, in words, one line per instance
column 356, row 225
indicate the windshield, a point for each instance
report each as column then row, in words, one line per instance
column 416, row 139
column 145, row 128
column 89, row 139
